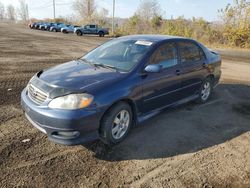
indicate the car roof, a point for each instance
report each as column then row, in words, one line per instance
column 152, row 38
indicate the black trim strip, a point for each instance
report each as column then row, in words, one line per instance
column 172, row 91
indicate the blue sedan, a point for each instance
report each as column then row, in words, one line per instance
column 118, row 85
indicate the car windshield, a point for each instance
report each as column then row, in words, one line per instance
column 121, row 54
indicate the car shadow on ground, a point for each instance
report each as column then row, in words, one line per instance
column 185, row 129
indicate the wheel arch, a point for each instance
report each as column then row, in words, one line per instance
column 211, row 77
column 130, row 102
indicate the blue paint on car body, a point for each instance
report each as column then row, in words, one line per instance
column 132, row 78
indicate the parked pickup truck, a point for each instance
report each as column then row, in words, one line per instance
column 91, row 29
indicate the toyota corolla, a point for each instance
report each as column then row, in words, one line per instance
column 118, row 85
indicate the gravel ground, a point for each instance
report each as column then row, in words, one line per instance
column 191, row 146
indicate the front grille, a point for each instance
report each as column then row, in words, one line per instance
column 36, row 94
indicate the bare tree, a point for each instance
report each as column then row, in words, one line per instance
column 2, row 11
column 11, row 12
column 102, row 16
column 23, row 10
column 85, row 8
column 149, row 9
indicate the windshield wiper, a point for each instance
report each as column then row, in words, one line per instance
column 98, row 64
column 104, row 65
column 86, row 61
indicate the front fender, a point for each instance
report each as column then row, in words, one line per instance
column 129, row 91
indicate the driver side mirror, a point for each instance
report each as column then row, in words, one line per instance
column 153, row 68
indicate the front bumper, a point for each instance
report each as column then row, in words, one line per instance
column 53, row 122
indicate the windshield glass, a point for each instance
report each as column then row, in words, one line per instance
column 123, row 54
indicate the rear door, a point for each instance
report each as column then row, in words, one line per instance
column 192, row 59
column 162, row 89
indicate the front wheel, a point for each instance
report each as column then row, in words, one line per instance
column 116, row 124
column 64, row 32
column 78, row 33
column 205, row 91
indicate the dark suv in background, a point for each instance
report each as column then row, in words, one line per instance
column 119, row 84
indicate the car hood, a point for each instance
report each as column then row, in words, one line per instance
column 78, row 76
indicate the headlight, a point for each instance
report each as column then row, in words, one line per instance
column 72, row 101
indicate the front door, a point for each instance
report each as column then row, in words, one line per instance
column 162, row 89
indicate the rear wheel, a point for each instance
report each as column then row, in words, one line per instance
column 116, row 123
column 101, row 34
column 54, row 30
column 205, row 90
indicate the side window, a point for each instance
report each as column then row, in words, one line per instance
column 190, row 52
column 165, row 55
column 92, row 26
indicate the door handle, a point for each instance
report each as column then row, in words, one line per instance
column 178, row 72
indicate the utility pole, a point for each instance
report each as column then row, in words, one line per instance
column 54, row 8
column 113, row 19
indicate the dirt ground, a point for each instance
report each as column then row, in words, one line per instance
column 190, row 146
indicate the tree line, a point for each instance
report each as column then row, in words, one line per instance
column 232, row 29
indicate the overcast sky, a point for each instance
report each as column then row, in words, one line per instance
column 126, row 8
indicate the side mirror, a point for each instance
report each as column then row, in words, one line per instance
column 153, row 68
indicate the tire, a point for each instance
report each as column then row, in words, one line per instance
column 205, row 91
column 54, row 30
column 101, row 34
column 78, row 33
column 114, row 128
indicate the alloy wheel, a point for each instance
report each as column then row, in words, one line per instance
column 206, row 90
column 120, row 124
